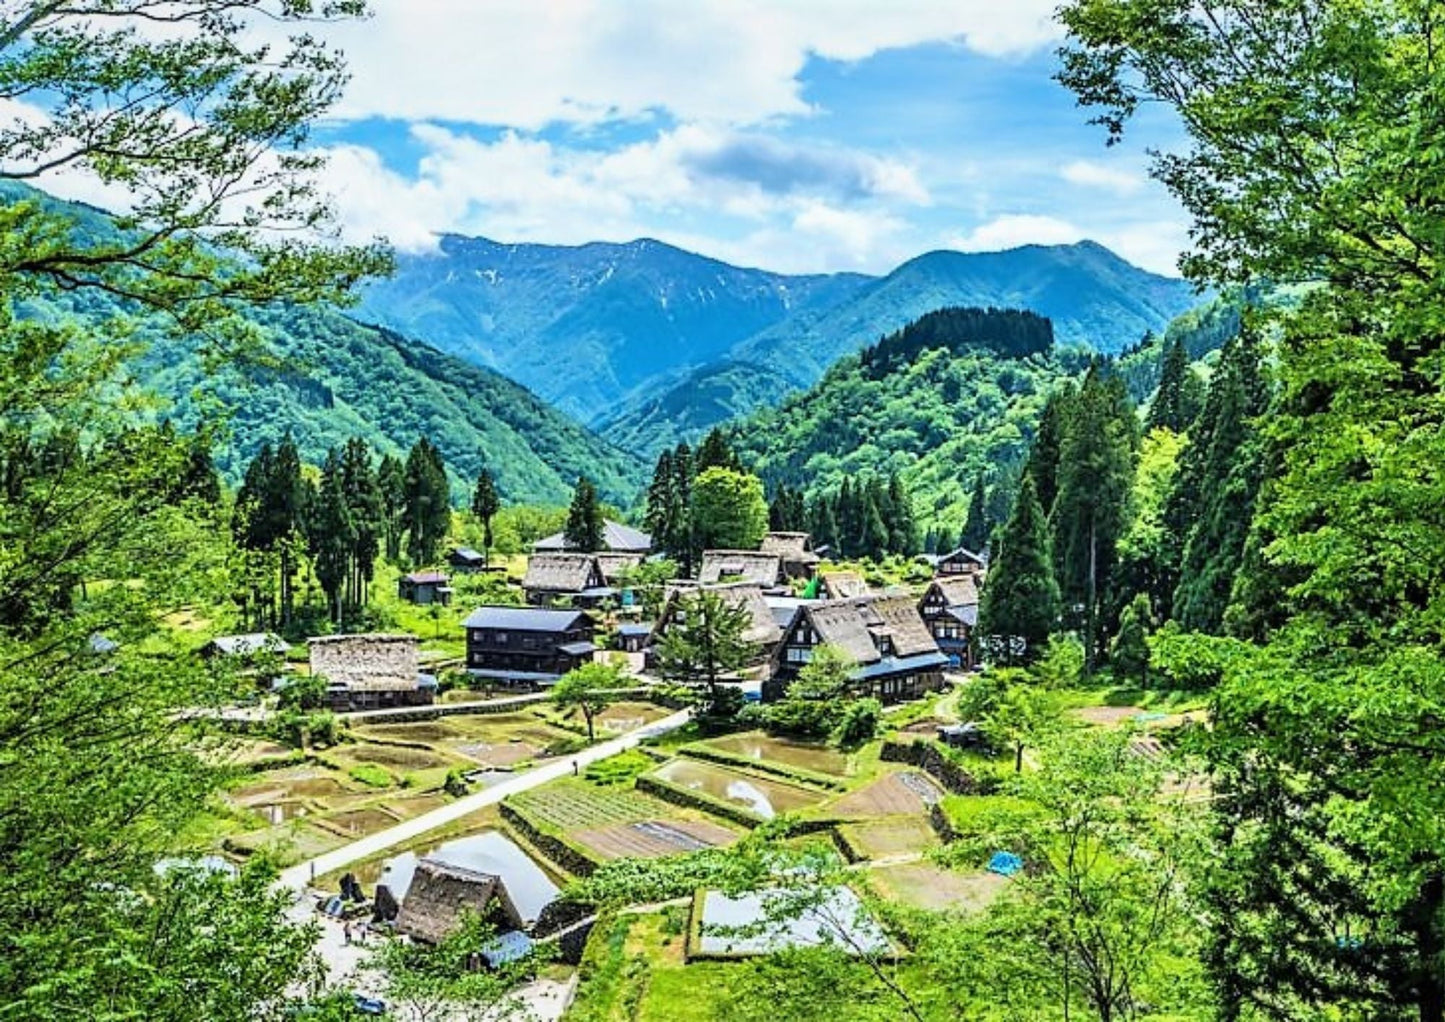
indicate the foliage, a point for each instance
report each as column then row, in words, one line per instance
column 1129, row 649
column 729, row 511
column 705, row 647
column 648, row 582
column 432, row 982
column 485, row 505
column 585, row 526
column 1020, row 604
column 1148, row 551
column 426, row 502
column 591, row 688
column 1062, row 664
column 303, row 692
column 622, row 768
column 371, row 775
column 814, row 704
column 858, row 723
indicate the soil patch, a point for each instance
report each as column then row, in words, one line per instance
column 501, row 755
column 360, row 822
column 1107, row 716
column 907, row 792
column 895, row 835
column 420, row 731
column 395, row 756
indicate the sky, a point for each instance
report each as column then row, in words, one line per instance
column 793, row 135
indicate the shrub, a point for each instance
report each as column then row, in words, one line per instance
column 620, row 769
column 860, row 722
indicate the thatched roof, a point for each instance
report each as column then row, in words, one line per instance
column 562, row 573
column 899, row 616
column 616, row 537
column 842, row 585
column 792, row 546
column 613, row 565
column 440, row 893
column 741, row 565
column 366, row 663
column 764, row 629
column 842, row 624
column 957, row 590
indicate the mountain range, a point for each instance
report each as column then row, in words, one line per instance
column 649, row 344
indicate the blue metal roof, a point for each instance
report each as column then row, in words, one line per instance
column 891, row 665
column 523, row 619
column 537, row 677
column 507, row 947
column 578, row 648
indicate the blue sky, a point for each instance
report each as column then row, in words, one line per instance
column 796, row 135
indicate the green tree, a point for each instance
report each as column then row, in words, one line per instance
column 716, row 452
column 705, row 646
column 590, row 688
column 433, row 982
column 787, row 512
column 364, row 505
column 585, row 528
column 1043, row 460
column 1168, row 410
column 1129, row 651
column 975, row 526
column 1095, row 477
column 391, row 482
column 729, row 510
column 427, row 502
column 485, row 505
column 332, row 534
column 1310, row 157
column 1019, row 606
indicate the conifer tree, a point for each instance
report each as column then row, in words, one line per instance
column 683, row 542
column 1168, row 410
column 364, row 505
column 873, row 536
column 428, row 502
column 849, row 519
column 787, row 512
column 716, row 452
column 585, row 529
column 976, row 526
column 391, row 484
column 902, row 526
column 1095, row 476
column 1129, row 651
column 823, row 521
column 330, row 533
column 1043, row 460
column 1019, row 606
column 485, row 505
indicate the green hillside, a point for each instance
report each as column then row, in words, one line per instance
column 933, row 411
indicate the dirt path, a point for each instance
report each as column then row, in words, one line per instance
column 298, row 877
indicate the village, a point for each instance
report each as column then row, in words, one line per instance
column 466, row 780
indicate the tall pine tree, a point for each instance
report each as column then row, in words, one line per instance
column 1020, row 602
column 428, row 502
column 485, row 505
column 1168, row 410
column 976, row 526
column 585, row 529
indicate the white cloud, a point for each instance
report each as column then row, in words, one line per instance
column 525, row 63
column 1098, row 175
column 1154, row 244
column 1018, row 229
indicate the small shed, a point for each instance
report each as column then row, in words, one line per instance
column 464, row 558
column 632, row 636
column 246, row 646
column 425, row 587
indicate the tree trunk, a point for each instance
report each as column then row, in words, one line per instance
column 1091, row 599
column 1430, row 946
column 1018, row 757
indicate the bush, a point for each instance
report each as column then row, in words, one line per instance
column 620, row 769
column 860, row 722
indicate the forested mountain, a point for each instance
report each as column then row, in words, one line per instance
column 957, row 393
column 326, row 378
column 1092, row 296
column 585, row 326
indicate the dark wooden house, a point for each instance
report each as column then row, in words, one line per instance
column 464, row 558
column 894, row 655
column 525, row 646
column 949, row 606
column 958, row 562
column 424, row 587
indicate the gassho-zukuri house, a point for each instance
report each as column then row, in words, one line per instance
column 527, row 647
column 895, row 655
column 371, row 671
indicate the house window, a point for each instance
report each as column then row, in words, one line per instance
column 501, row 638
column 799, row 654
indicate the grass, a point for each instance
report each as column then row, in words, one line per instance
column 371, row 775
column 572, row 804
column 620, row 769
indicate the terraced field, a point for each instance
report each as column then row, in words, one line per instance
column 651, row 839
column 568, row 805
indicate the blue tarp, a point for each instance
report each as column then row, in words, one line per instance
column 1005, row 864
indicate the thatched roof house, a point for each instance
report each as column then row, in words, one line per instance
column 842, row 585
column 754, row 566
column 371, row 670
column 555, row 576
column 763, row 631
column 613, row 565
column 894, row 653
column 796, row 551
column 441, row 893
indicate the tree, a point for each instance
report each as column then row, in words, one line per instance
column 902, row 525
column 787, row 512
column 1328, row 896
column 332, row 533
column 1043, row 461
column 1129, row 652
column 813, row 704
column 1168, row 409
column 590, row 688
column 585, row 529
column 716, row 452
column 485, row 505
column 361, row 491
column 435, row 982
column 975, row 526
column 106, row 776
column 663, row 513
column 705, row 645
column 1095, row 477
column 683, row 543
column 427, row 502
column 1020, row 603
column 391, row 484
column 729, row 510
column 1100, row 919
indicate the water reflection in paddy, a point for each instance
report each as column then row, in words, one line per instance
column 765, row 798
column 530, row 889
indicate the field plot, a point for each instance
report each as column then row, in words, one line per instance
column 811, row 756
column 763, row 797
column 907, row 792
column 571, row 804
column 891, row 836
column 495, row 740
column 926, row 886
column 650, row 839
